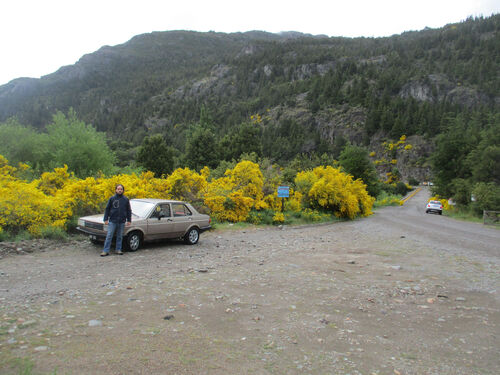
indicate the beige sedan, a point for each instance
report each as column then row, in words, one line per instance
column 152, row 219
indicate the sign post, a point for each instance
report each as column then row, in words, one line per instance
column 283, row 192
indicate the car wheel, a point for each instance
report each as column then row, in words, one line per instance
column 440, row 212
column 426, row 212
column 192, row 236
column 95, row 242
column 133, row 241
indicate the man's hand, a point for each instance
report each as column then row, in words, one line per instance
column 106, row 222
column 128, row 223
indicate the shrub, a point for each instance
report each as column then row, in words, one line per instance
column 413, row 181
column 230, row 198
column 278, row 218
column 330, row 189
column 487, row 197
column 401, row 188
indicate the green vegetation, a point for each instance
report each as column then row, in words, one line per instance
column 67, row 140
column 154, row 155
column 466, row 161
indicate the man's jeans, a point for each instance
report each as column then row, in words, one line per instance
column 112, row 227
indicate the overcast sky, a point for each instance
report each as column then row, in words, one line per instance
column 37, row 37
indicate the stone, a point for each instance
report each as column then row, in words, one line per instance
column 95, row 323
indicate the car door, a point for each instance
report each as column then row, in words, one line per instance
column 182, row 217
column 160, row 223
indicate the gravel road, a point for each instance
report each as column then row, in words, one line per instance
column 400, row 292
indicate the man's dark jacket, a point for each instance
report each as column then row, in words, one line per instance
column 118, row 209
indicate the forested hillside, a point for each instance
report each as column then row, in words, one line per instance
column 207, row 98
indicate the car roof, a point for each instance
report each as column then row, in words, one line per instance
column 155, row 200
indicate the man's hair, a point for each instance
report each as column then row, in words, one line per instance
column 123, row 187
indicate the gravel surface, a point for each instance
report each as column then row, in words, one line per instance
column 400, row 292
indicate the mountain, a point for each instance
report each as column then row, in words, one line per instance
column 305, row 93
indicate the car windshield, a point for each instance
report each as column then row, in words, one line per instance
column 435, row 202
column 140, row 208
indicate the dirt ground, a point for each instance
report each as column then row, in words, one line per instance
column 400, row 292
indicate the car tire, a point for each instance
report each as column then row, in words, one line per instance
column 440, row 212
column 192, row 236
column 133, row 241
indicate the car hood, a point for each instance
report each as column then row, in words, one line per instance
column 99, row 218
column 94, row 218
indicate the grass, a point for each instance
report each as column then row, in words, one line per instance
column 385, row 199
column 20, row 366
column 265, row 218
column 463, row 214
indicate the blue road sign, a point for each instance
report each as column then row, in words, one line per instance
column 283, row 191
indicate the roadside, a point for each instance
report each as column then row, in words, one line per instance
column 400, row 292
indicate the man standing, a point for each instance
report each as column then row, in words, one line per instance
column 117, row 212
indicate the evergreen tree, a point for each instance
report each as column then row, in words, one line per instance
column 355, row 161
column 154, row 155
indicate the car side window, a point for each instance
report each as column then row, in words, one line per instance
column 162, row 210
column 180, row 210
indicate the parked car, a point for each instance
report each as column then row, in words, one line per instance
column 152, row 219
column 434, row 206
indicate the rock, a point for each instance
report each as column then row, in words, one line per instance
column 397, row 268
column 460, row 299
column 168, row 317
column 95, row 323
column 41, row 348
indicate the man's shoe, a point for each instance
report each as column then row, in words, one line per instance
column 103, row 254
column 119, row 252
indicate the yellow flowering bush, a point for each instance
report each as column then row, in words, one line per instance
column 25, row 207
column 444, row 202
column 184, row 184
column 230, row 198
column 278, row 218
column 333, row 190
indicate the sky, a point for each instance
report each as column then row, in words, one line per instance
column 37, row 37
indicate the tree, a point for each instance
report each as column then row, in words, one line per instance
column 246, row 138
column 20, row 143
column 201, row 148
column 449, row 158
column 356, row 161
column 78, row 145
column 155, row 156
